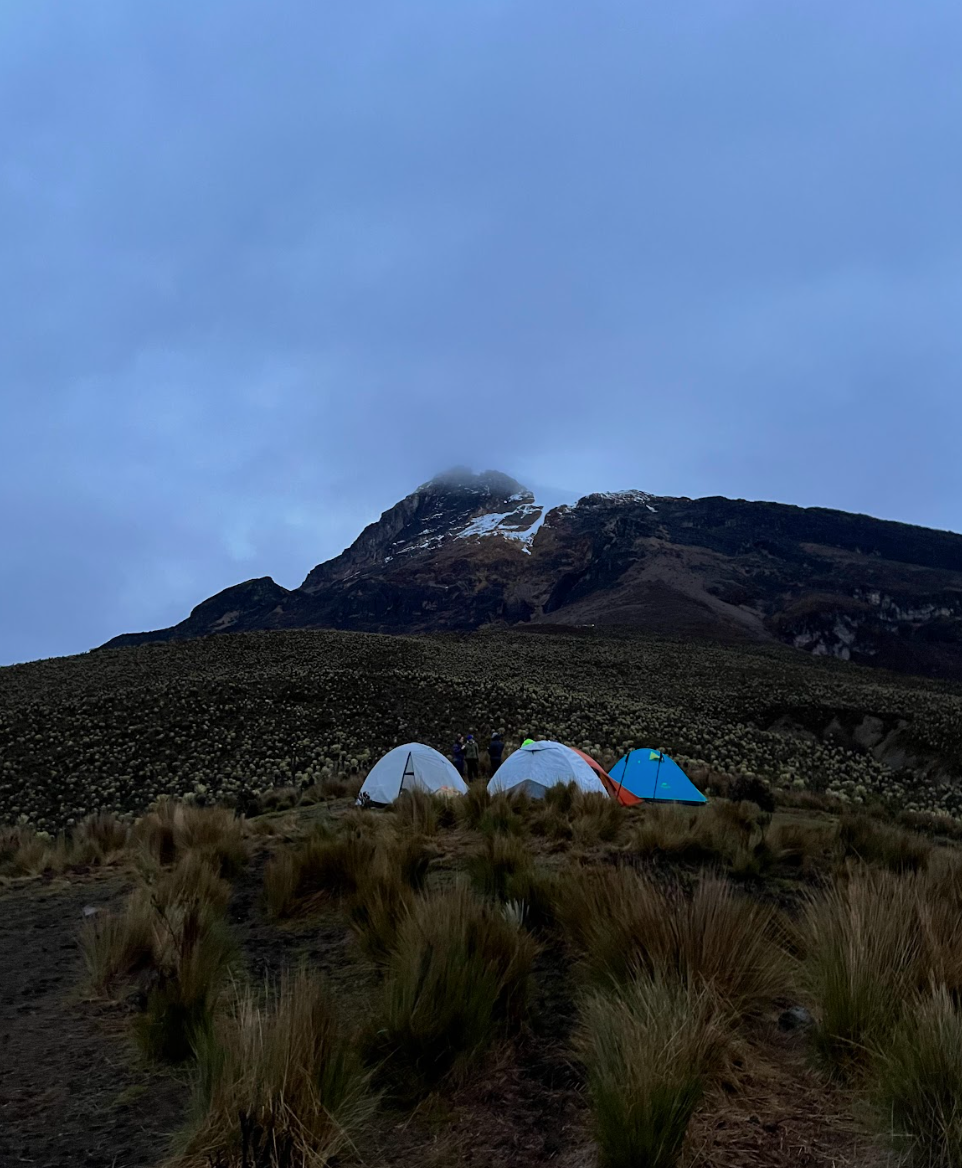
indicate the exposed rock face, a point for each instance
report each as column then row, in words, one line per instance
column 464, row 550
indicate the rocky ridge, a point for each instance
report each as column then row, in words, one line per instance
column 468, row 551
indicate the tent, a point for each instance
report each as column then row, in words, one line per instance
column 597, row 768
column 539, row 765
column 647, row 774
column 407, row 767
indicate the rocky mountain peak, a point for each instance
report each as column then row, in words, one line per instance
column 457, row 504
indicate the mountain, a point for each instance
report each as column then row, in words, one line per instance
column 466, row 551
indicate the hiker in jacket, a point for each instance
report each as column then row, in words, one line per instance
column 495, row 750
column 472, row 756
column 457, row 755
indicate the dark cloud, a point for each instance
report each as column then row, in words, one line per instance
column 267, row 266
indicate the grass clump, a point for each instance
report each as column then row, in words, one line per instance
column 193, row 955
column 919, row 1082
column 627, row 926
column 119, row 944
column 385, row 893
column 472, row 806
column 882, row 844
column 506, row 814
column 172, row 829
column 863, row 957
column 595, row 819
column 296, row 879
column 98, row 839
column 649, row 1047
column 457, row 977
column 279, row 1083
column 418, row 811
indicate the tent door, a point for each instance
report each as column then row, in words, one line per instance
column 408, row 774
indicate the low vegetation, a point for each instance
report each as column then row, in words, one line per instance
column 457, row 977
column 650, row 1046
column 237, row 719
column 279, row 1081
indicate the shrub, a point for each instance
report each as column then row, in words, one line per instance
column 278, row 1083
column 458, row 975
column 752, row 789
column 193, row 953
column 880, row 843
column 627, row 927
column 919, row 1081
column 648, row 1047
column 863, row 954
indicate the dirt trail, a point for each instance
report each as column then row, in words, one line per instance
column 72, row 1092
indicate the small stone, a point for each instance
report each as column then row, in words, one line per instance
column 797, row 1018
column 89, row 910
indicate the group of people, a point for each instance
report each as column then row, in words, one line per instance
column 466, row 755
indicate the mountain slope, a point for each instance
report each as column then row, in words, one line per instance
column 465, row 551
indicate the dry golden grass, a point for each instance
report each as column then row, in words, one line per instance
column 626, row 926
column 457, row 977
column 649, row 1047
column 279, row 1083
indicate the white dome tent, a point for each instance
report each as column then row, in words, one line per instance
column 534, row 768
column 413, row 766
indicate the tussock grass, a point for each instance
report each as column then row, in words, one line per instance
column 24, row 852
column 649, row 1047
column 323, row 864
column 919, row 1082
column 863, row 958
column 626, row 927
column 191, row 878
column 171, row 829
column 418, row 811
column 385, row 893
column 457, row 977
column 550, row 823
column 279, row 1083
column 494, row 865
column 99, row 838
column 474, row 804
column 119, row 944
column 505, row 814
column 596, row 819
column 193, row 953
column 883, row 844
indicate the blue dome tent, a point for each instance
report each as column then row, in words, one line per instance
column 645, row 775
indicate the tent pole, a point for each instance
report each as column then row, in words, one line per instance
column 623, row 773
column 654, row 790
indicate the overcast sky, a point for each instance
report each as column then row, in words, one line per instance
column 269, row 264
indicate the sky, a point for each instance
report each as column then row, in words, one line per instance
column 267, row 265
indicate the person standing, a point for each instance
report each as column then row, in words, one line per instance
column 472, row 756
column 495, row 750
column 458, row 755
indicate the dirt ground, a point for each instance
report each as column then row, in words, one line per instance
column 73, row 1090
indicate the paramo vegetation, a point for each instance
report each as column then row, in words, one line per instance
column 227, row 718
